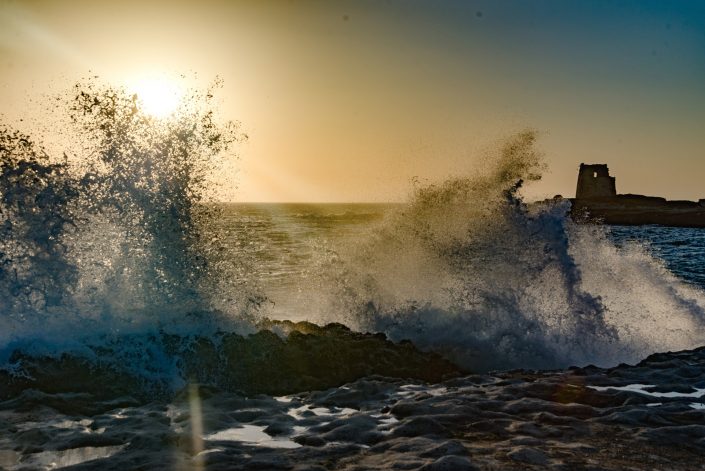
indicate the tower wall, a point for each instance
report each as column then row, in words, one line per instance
column 594, row 181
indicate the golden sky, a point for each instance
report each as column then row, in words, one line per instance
column 347, row 101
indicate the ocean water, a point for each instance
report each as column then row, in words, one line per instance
column 145, row 326
column 681, row 249
column 289, row 242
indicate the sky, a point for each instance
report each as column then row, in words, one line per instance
column 348, row 101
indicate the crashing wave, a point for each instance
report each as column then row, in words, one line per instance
column 112, row 267
column 469, row 270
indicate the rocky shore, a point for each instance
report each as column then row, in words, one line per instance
column 631, row 210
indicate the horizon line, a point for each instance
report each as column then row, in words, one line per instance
column 312, row 202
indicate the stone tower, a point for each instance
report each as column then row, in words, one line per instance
column 594, row 181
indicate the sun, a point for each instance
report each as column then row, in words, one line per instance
column 157, row 96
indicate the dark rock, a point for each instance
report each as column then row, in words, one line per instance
column 529, row 456
column 419, row 426
column 450, row 463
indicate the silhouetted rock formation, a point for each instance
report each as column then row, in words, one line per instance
column 301, row 357
column 596, row 198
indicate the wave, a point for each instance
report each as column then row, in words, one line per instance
column 120, row 237
column 112, row 267
column 468, row 269
column 112, row 275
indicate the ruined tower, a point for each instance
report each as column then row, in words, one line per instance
column 594, row 181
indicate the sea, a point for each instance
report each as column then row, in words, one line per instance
column 647, row 413
column 145, row 326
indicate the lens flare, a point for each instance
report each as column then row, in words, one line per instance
column 196, row 425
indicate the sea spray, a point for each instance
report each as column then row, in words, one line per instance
column 118, row 240
column 115, row 266
column 151, row 179
column 468, row 269
column 37, row 199
column 113, row 276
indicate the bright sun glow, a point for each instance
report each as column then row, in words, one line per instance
column 158, row 97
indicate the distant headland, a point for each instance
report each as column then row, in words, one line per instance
column 596, row 198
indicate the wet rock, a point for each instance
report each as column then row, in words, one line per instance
column 310, row 440
column 352, row 433
column 310, row 358
column 487, row 422
column 278, row 428
column 450, row 463
column 408, row 409
column 678, row 435
column 529, row 456
column 420, row 426
column 269, row 462
column 451, row 447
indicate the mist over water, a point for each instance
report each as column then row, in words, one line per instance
column 120, row 256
